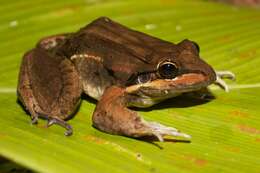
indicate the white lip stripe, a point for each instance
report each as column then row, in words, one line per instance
column 231, row 87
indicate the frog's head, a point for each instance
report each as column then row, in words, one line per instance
column 178, row 71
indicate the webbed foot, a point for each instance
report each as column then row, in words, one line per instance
column 62, row 123
column 160, row 130
column 220, row 75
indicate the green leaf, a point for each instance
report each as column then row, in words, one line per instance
column 225, row 131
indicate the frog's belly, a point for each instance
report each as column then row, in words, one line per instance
column 93, row 91
column 94, row 77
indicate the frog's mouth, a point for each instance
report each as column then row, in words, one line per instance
column 166, row 88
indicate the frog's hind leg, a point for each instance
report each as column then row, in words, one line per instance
column 112, row 116
column 25, row 92
column 49, row 87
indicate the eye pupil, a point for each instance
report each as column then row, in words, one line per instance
column 168, row 70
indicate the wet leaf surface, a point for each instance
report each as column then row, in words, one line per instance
column 225, row 130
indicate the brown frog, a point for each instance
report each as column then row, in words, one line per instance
column 117, row 66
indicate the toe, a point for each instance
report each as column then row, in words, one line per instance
column 160, row 130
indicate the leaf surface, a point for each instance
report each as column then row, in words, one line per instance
column 225, row 131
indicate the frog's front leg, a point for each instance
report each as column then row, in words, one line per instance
column 220, row 75
column 112, row 116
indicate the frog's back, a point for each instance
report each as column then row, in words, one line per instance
column 107, row 53
column 123, row 51
column 140, row 43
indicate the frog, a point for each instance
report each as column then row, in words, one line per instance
column 119, row 67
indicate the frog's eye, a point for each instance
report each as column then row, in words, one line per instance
column 167, row 70
column 143, row 78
